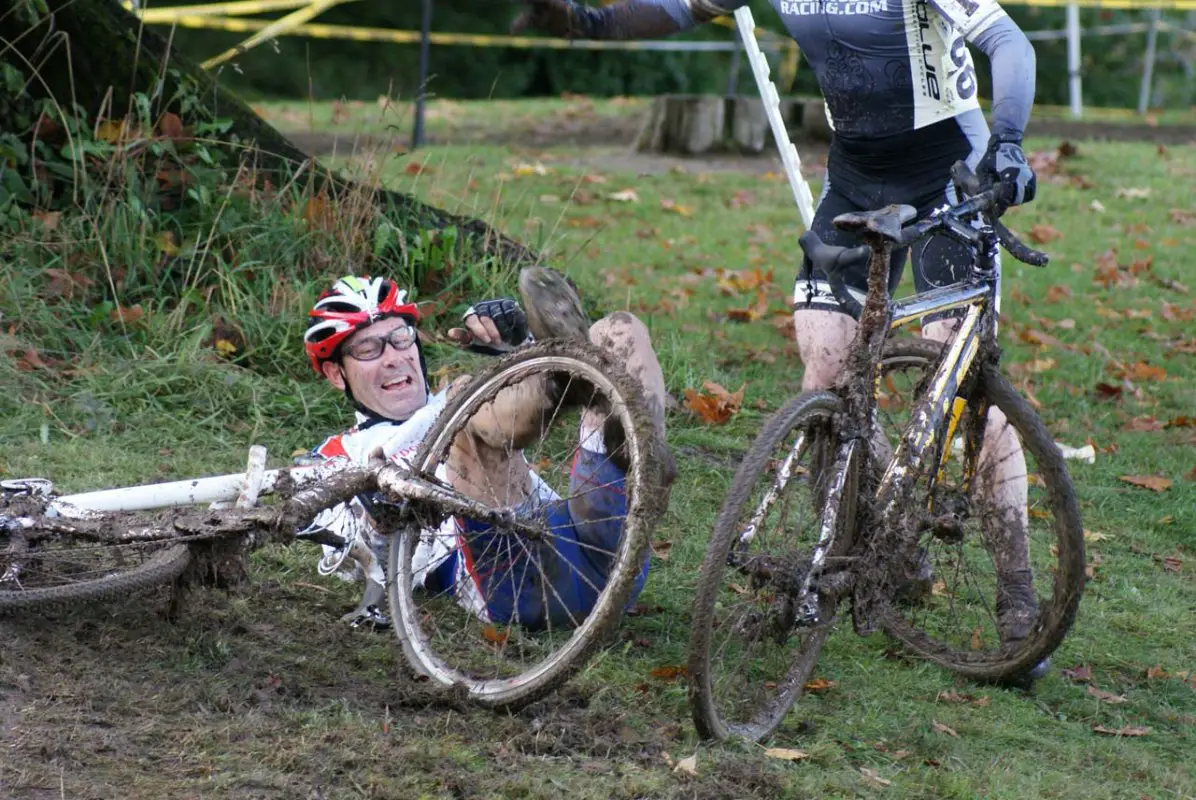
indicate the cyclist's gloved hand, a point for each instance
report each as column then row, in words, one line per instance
column 564, row 18
column 1004, row 162
column 492, row 327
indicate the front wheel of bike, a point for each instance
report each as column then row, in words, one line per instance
column 999, row 531
column 749, row 655
column 504, row 615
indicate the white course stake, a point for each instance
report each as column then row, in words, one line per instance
column 772, row 108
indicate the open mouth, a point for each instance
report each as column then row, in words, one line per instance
column 397, row 383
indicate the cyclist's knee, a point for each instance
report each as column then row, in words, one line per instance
column 823, row 340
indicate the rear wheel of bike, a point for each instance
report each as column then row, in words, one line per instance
column 60, row 570
column 748, row 663
column 505, row 616
column 968, row 535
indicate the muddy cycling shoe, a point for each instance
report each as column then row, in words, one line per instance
column 1017, row 608
column 552, row 305
column 368, row 614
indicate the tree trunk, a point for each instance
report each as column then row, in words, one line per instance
column 98, row 55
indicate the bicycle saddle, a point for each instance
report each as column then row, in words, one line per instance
column 830, row 259
column 885, row 221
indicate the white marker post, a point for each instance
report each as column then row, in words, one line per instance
column 772, row 108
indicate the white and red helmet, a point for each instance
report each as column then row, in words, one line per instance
column 351, row 304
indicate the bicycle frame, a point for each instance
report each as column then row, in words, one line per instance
column 977, row 294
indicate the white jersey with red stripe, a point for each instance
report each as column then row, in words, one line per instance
column 369, row 442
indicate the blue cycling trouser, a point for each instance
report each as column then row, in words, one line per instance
column 553, row 582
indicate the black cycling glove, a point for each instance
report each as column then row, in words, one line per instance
column 509, row 319
column 1004, row 162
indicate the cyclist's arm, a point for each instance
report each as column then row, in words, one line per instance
column 649, row 19
column 985, row 24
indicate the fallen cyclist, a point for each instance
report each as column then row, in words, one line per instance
column 363, row 338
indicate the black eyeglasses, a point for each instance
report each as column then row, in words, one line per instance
column 369, row 349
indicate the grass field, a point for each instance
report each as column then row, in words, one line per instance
column 264, row 694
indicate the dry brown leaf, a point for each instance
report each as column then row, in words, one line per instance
column 1155, row 483
column 170, row 126
column 416, row 168
column 1107, row 697
column 1057, row 292
column 716, row 405
column 819, row 685
column 740, row 199
column 669, row 672
column 661, row 549
column 977, row 642
column 1079, row 674
column 1043, row 233
column 1127, row 730
column 785, row 754
column 127, row 315
column 941, row 728
column 494, row 635
column 676, row 208
column 1095, row 536
column 1141, row 371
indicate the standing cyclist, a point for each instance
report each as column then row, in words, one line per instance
column 902, row 97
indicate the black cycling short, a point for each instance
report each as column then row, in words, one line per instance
column 914, row 169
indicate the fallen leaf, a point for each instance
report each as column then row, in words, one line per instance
column 669, row 673
column 1133, row 193
column 624, row 196
column 170, row 126
column 1043, row 233
column 1107, row 697
column 819, row 685
column 676, row 208
column 1172, row 564
column 1057, row 292
column 416, row 168
column 1141, row 371
column 688, row 765
column 1095, row 536
column 127, row 315
column 1107, row 391
column 593, row 179
column 941, row 728
column 872, row 775
column 1155, row 672
column 1143, row 424
column 716, row 405
column 523, row 169
column 785, row 754
column 740, row 199
column 1153, row 482
column 1127, row 730
column 1079, row 674
column 977, row 642
column 48, row 219
column 494, row 635
column 1182, row 216
column 225, row 348
column 661, row 549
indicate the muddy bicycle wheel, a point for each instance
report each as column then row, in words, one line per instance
column 561, row 437
column 1000, row 541
column 60, row 570
column 748, row 661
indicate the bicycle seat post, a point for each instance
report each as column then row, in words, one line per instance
column 881, row 229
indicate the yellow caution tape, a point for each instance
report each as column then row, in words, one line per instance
column 152, row 16
column 273, row 29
